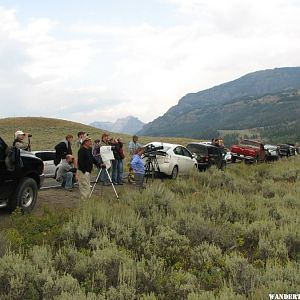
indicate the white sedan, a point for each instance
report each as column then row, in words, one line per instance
column 172, row 159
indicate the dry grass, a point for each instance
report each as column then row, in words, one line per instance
column 47, row 132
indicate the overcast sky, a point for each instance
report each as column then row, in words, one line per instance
column 97, row 60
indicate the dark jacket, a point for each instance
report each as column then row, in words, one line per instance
column 86, row 160
column 116, row 150
column 62, row 150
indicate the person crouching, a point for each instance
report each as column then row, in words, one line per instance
column 66, row 173
column 85, row 166
column 138, row 167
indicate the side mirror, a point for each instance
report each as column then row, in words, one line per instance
column 194, row 155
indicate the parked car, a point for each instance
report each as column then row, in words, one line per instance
column 293, row 149
column 228, row 156
column 272, row 152
column 21, row 175
column 286, row 150
column 207, row 155
column 248, row 151
column 47, row 156
column 172, row 159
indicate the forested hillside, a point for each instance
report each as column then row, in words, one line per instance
column 262, row 99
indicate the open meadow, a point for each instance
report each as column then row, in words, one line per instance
column 230, row 234
column 47, row 132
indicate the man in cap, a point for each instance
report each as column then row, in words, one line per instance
column 85, row 166
column 19, row 141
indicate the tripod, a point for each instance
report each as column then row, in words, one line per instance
column 150, row 167
column 98, row 175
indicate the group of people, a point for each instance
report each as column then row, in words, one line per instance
column 107, row 154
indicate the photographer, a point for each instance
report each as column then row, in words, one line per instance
column 19, row 141
column 138, row 167
column 85, row 166
column 66, row 173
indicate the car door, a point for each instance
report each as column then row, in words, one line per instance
column 48, row 158
column 179, row 159
column 188, row 160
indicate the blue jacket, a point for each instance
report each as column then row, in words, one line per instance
column 137, row 164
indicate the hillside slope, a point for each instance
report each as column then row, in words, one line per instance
column 258, row 99
column 47, row 132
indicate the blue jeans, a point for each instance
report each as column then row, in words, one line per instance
column 103, row 176
column 67, row 180
column 117, row 171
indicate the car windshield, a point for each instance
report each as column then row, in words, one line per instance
column 198, row 149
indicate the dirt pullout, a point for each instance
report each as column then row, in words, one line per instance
column 58, row 198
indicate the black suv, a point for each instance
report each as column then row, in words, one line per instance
column 207, row 155
column 21, row 175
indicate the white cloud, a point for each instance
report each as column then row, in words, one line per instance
column 99, row 72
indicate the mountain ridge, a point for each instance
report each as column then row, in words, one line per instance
column 198, row 114
column 127, row 125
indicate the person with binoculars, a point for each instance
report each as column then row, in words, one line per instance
column 19, row 141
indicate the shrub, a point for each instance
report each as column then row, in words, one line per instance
column 170, row 245
column 207, row 263
column 243, row 277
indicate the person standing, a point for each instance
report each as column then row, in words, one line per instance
column 138, row 167
column 105, row 142
column 133, row 145
column 85, row 166
column 96, row 149
column 19, row 141
column 121, row 163
column 66, row 173
column 117, row 163
column 63, row 149
column 80, row 136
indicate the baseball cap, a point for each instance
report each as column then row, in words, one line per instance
column 19, row 132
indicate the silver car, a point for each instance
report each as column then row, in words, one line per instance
column 47, row 156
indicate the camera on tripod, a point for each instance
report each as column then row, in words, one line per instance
column 151, row 150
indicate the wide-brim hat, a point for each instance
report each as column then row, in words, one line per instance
column 85, row 139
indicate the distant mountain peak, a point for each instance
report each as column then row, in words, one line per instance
column 128, row 125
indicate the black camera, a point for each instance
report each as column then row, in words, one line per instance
column 29, row 135
column 151, row 150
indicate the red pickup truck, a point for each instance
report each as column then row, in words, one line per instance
column 248, row 150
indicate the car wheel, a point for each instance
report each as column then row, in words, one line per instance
column 25, row 195
column 174, row 173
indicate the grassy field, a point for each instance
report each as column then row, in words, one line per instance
column 48, row 132
column 213, row 235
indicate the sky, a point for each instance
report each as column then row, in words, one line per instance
column 98, row 60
